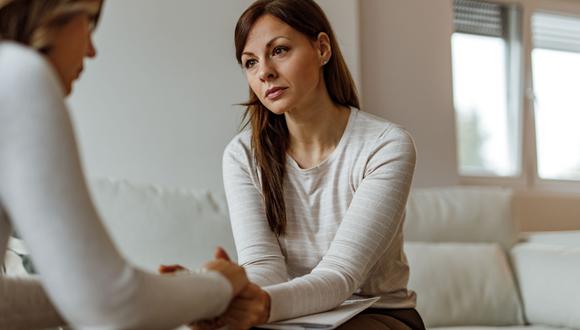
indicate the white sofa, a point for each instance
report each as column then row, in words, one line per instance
column 473, row 270
column 468, row 266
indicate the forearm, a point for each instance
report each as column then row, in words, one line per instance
column 257, row 247
column 317, row 292
column 160, row 302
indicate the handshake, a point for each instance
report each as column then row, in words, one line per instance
column 250, row 305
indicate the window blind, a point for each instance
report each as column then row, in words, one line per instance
column 556, row 32
column 479, row 17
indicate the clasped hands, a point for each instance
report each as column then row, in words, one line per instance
column 250, row 305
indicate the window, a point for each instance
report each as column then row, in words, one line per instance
column 496, row 58
column 487, row 118
column 556, row 81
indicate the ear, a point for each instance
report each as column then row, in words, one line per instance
column 324, row 48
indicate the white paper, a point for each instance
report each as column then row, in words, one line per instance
column 325, row 320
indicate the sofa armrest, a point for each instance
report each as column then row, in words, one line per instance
column 548, row 279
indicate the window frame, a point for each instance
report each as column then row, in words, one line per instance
column 529, row 179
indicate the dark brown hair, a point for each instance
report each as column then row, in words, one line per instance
column 33, row 22
column 269, row 131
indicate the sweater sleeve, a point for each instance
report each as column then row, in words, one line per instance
column 23, row 301
column 366, row 232
column 369, row 227
column 43, row 192
column 257, row 247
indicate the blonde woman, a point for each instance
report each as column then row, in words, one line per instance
column 83, row 281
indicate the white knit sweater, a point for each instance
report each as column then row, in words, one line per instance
column 44, row 196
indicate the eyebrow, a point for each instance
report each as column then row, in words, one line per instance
column 268, row 44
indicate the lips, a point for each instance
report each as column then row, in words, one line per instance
column 274, row 93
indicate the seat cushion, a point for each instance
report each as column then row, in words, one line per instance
column 548, row 276
column 463, row 284
column 565, row 238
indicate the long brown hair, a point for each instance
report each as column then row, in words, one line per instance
column 33, row 22
column 270, row 137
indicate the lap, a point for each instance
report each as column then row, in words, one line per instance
column 374, row 322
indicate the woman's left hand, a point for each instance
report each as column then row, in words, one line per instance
column 250, row 308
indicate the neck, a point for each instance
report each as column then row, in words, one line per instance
column 315, row 130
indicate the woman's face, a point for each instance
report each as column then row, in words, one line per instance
column 283, row 66
column 72, row 43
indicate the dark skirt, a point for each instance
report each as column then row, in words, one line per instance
column 408, row 316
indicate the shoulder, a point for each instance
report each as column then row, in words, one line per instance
column 13, row 55
column 384, row 143
column 378, row 131
column 23, row 69
column 239, row 148
column 19, row 63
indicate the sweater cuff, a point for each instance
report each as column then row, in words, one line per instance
column 223, row 292
column 281, row 306
column 223, row 282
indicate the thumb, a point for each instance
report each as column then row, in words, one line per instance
column 220, row 253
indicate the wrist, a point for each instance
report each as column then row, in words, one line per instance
column 267, row 304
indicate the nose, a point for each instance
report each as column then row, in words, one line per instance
column 91, row 50
column 267, row 71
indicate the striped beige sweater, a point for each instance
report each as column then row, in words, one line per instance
column 345, row 219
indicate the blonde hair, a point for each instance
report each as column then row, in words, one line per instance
column 33, row 22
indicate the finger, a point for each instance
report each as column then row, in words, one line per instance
column 238, row 319
column 219, row 323
column 167, row 269
column 217, row 264
column 250, row 291
column 220, row 253
column 207, row 325
column 253, row 309
column 242, row 304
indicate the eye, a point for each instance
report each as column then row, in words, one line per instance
column 92, row 22
column 250, row 63
column 280, row 50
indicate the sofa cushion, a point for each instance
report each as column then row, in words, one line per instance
column 461, row 214
column 548, row 278
column 463, row 284
column 152, row 226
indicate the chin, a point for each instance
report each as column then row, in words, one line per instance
column 278, row 108
column 278, row 111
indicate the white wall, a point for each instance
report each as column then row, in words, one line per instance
column 157, row 105
column 406, row 69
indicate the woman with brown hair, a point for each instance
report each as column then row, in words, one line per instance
column 316, row 188
column 83, row 280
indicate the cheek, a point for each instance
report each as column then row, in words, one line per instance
column 305, row 71
column 254, row 83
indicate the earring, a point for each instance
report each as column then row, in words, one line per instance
column 324, row 62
